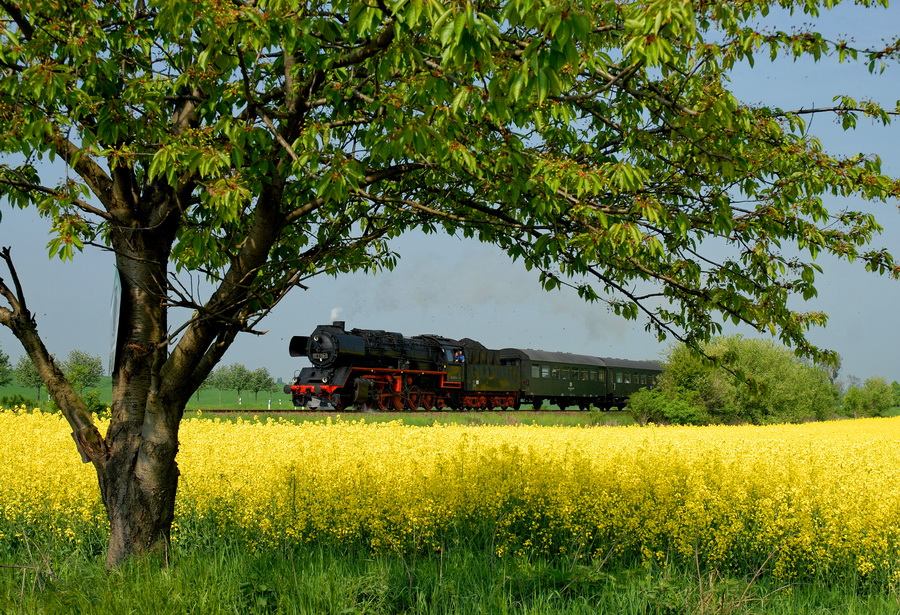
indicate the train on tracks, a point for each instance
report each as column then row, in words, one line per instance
column 365, row 369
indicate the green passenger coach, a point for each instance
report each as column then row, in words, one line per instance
column 566, row 380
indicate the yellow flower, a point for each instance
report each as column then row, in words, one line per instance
column 807, row 499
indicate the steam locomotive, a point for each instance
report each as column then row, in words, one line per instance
column 366, row 369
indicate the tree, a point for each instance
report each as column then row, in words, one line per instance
column 27, row 375
column 261, row 144
column 786, row 389
column 261, row 380
column 6, row 372
column 874, row 398
column 234, row 377
column 238, row 377
column 82, row 369
column 218, row 379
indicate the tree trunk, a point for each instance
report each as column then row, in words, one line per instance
column 135, row 461
column 138, row 486
column 139, row 480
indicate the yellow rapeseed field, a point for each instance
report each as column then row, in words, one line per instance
column 801, row 499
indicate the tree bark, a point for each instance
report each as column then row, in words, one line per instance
column 138, row 486
column 139, row 481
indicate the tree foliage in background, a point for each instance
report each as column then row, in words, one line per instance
column 695, row 389
column 236, row 377
column 874, row 398
column 83, row 369
column 260, row 144
column 27, row 375
column 6, row 371
column 261, row 380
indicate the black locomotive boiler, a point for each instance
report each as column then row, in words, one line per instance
column 369, row 369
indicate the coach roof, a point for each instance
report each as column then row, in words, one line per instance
column 545, row 356
column 552, row 357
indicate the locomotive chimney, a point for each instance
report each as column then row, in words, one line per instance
column 339, row 324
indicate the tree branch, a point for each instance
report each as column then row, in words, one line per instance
column 13, row 8
column 17, row 318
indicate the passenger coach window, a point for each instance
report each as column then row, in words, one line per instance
column 564, row 372
column 554, row 373
column 627, row 378
column 602, row 377
column 545, row 371
column 643, row 378
column 535, row 371
column 619, row 377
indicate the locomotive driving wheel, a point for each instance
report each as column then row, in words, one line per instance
column 428, row 401
column 413, row 397
column 397, row 401
column 382, row 401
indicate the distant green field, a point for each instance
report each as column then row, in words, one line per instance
column 250, row 404
column 206, row 399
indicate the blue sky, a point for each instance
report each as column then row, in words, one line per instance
column 461, row 288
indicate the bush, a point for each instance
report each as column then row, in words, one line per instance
column 656, row 406
column 681, row 412
column 787, row 389
column 875, row 398
column 95, row 405
column 11, row 401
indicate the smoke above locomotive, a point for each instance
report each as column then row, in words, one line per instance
column 366, row 369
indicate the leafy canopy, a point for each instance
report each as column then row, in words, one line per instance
column 595, row 141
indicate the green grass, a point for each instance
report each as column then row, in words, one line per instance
column 206, row 399
column 465, row 579
column 263, row 405
column 249, row 405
